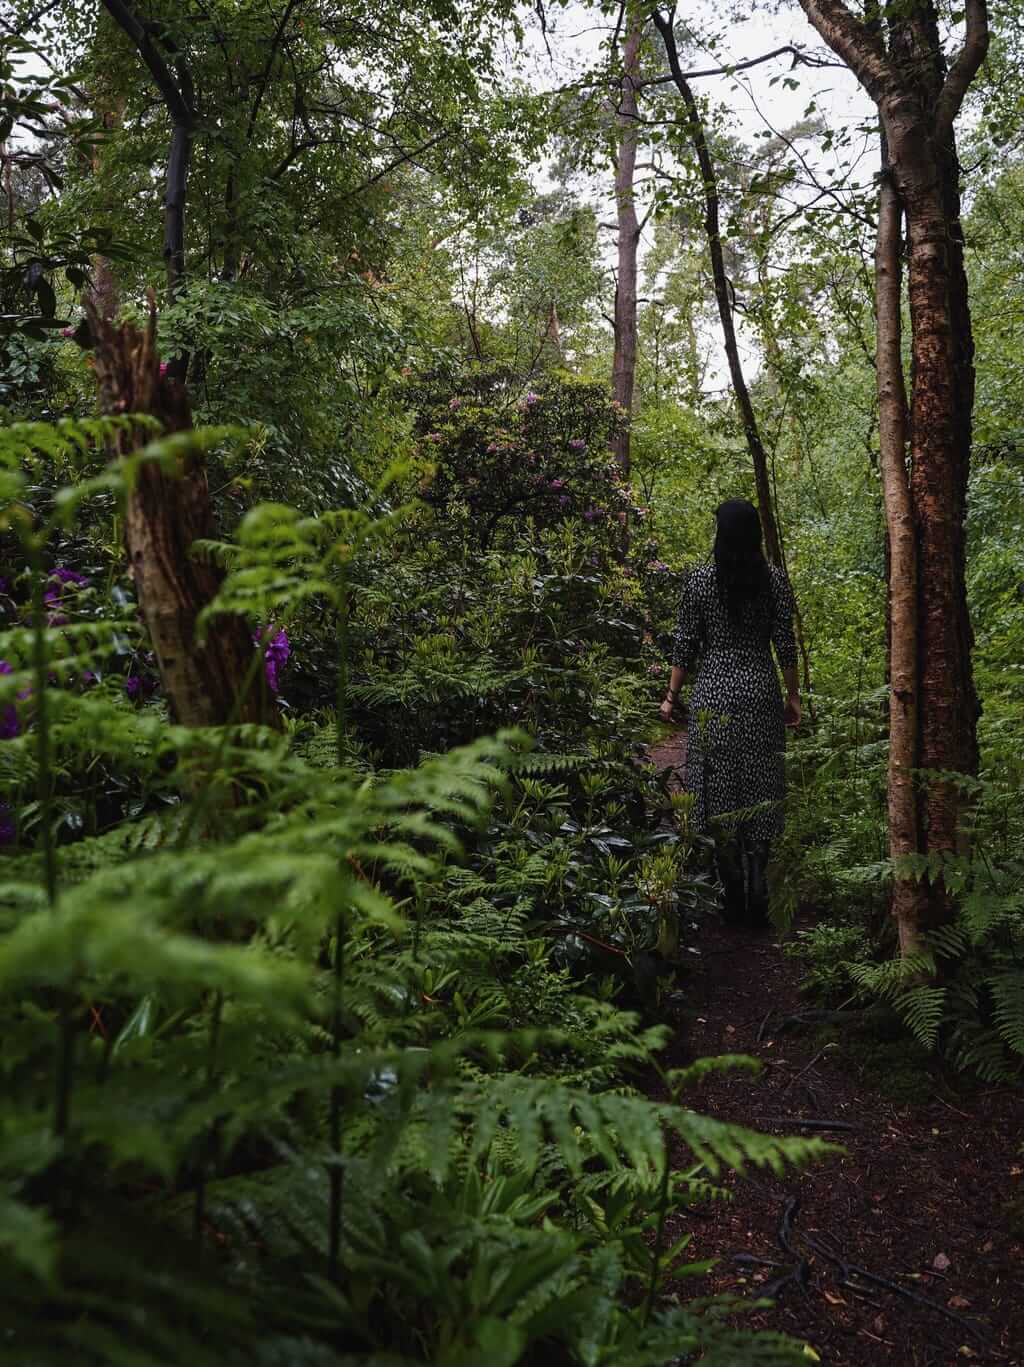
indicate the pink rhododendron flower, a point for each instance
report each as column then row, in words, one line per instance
column 455, row 403
column 164, row 367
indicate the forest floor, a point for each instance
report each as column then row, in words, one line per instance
column 909, row 1248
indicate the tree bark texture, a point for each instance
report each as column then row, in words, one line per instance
column 751, row 431
column 166, row 512
column 902, row 557
column 917, row 102
column 625, row 326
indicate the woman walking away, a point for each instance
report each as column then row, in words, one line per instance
column 734, row 609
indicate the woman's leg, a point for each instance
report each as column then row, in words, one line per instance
column 757, row 871
column 729, row 859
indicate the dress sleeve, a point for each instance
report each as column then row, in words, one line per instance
column 689, row 633
column 783, row 607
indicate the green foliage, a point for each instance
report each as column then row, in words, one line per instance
column 293, row 1048
column 829, row 953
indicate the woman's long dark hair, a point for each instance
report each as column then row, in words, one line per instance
column 741, row 570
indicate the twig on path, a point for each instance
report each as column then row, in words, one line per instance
column 808, row 1067
column 815, row 1017
column 761, row 1028
column 794, row 1122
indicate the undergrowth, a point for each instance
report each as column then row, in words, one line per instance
column 318, row 1042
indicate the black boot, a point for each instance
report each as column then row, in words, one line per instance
column 757, row 899
column 729, row 859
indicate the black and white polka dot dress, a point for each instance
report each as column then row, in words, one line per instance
column 737, row 734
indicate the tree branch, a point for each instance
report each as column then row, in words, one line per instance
column 800, row 58
column 861, row 49
column 178, row 103
column 964, row 68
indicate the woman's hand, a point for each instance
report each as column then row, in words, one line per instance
column 666, row 709
column 793, row 711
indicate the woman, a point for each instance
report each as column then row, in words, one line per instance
column 733, row 610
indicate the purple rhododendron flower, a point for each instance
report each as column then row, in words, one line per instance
column 133, row 686
column 5, row 586
column 67, row 332
column 532, row 397
column 66, row 576
column 7, row 831
column 591, row 514
column 52, row 598
column 454, row 403
column 277, row 649
column 577, row 444
column 164, row 366
column 556, row 484
column 658, row 566
column 8, row 715
column 564, row 501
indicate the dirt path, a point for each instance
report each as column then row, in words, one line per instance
column 920, row 1199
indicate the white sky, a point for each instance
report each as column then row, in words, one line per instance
column 755, row 105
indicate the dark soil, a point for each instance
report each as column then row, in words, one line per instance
column 928, row 1197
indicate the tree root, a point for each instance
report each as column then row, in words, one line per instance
column 799, row 1272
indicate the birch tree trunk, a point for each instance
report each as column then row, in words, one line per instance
column 930, row 638
column 625, row 328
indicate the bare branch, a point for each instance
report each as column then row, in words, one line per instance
column 965, row 67
column 799, row 58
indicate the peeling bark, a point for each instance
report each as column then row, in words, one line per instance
column 930, row 638
column 902, row 559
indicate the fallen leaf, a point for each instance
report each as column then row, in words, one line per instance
column 834, row 1300
column 940, row 1262
column 730, row 1029
column 958, row 1303
column 879, row 1325
column 987, row 1246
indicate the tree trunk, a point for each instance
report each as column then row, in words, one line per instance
column 902, row 559
column 166, row 512
column 930, row 638
column 698, row 140
column 179, row 100
column 940, row 456
column 624, row 359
